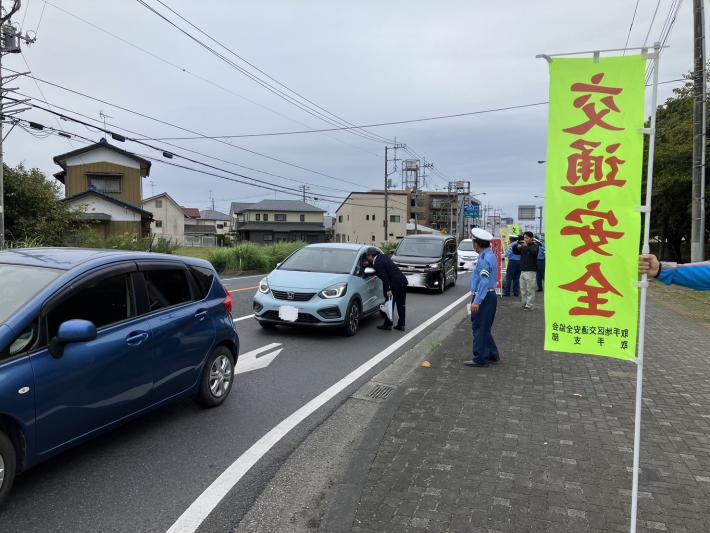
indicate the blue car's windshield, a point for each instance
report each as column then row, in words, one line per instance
column 18, row 284
column 321, row 259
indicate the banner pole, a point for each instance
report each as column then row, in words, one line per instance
column 651, row 131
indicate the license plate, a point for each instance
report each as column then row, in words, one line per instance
column 288, row 313
column 415, row 279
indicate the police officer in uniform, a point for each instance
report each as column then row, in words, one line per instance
column 484, row 302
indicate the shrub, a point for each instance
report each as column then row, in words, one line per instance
column 220, row 259
column 153, row 243
column 278, row 252
column 388, row 248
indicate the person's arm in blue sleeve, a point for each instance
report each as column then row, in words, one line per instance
column 483, row 291
column 691, row 275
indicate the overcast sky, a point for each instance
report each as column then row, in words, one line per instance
column 367, row 61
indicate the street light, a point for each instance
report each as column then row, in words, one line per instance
column 541, row 161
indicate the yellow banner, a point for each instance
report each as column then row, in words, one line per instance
column 593, row 192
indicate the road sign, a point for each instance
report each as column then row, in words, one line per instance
column 253, row 361
column 527, row 212
column 471, row 211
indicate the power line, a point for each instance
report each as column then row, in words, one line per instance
column 262, row 72
column 188, row 130
column 650, row 26
column 193, row 74
column 628, row 35
column 266, row 85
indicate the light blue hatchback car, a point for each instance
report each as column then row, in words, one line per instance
column 323, row 285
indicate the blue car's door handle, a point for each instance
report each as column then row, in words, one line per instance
column 201, row 314
column 136, row 337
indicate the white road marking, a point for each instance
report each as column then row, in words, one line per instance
column 252, row 361
column 242, row 318
column 205, row 503
column 244, row 277
column 244, row 289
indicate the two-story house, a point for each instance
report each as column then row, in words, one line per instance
column 271, row 221
column 106, row 183
column 168, row 217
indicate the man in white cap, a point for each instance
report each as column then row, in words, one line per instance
column 484, row 302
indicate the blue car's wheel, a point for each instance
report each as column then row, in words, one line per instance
column 217, row 378
column 8, row 465
column 352, row 319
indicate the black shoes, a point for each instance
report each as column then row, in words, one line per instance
column 473, row 363
column 384, row 327
column 399, row 328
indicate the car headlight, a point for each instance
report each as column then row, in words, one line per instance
column 336, row 291
column 434, row 266
column 264, row 286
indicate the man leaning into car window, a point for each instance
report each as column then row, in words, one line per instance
column 394, row 284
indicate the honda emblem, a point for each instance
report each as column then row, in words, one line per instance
column 290, row 295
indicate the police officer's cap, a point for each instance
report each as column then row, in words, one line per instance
column 481, row 235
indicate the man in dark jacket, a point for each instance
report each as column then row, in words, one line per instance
column 528, row 251
column 394, row 284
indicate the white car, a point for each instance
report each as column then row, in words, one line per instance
column 468, row 257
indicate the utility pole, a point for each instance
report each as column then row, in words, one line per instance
column 9, row 43
column 697, row 227
column 387, row 182
column 304, row 188
column 539, row 231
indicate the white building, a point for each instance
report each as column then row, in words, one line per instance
column 220, row 221
column 168, row 217
column 361, row 217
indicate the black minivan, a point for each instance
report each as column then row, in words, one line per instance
column 428, row 261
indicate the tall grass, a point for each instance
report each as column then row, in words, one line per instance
column 248, row 256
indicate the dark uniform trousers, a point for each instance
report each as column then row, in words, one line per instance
column 484, row 347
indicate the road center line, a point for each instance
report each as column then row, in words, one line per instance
column 245, row 289
column 244, row 277
column 206, row 502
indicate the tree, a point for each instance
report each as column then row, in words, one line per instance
column 672, row 172
column 32, row 208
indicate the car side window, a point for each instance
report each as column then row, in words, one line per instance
column 167, row 288
column 24, row 342
column 203, row 279
column 104, row 301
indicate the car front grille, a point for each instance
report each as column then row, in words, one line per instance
column 303, row 318
column 293, row 296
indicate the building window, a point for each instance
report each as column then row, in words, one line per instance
column 367, row 217
column 258, row 217
column 340, row 218
column 266, row 217
column 268, row 237
column 106, row 183
column 158, row 204
column 302, row 218
column 280, row 217
column 158, row 223
column 220, row 226
column 394, row 218
column 348, row 217
column 373, row 238
column 373, row 217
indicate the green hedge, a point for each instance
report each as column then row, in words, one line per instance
column 248, row 256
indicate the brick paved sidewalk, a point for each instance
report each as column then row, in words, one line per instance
column 543, row 442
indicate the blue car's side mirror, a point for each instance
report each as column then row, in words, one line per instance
column 71, row 331
column 369, row 271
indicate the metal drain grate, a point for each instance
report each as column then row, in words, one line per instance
column 380, row 392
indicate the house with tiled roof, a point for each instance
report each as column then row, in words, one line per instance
column 271, row 221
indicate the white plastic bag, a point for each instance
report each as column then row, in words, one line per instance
column 386, row 308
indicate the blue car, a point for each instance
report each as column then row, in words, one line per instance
column 90, row 339
column 323, row 285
